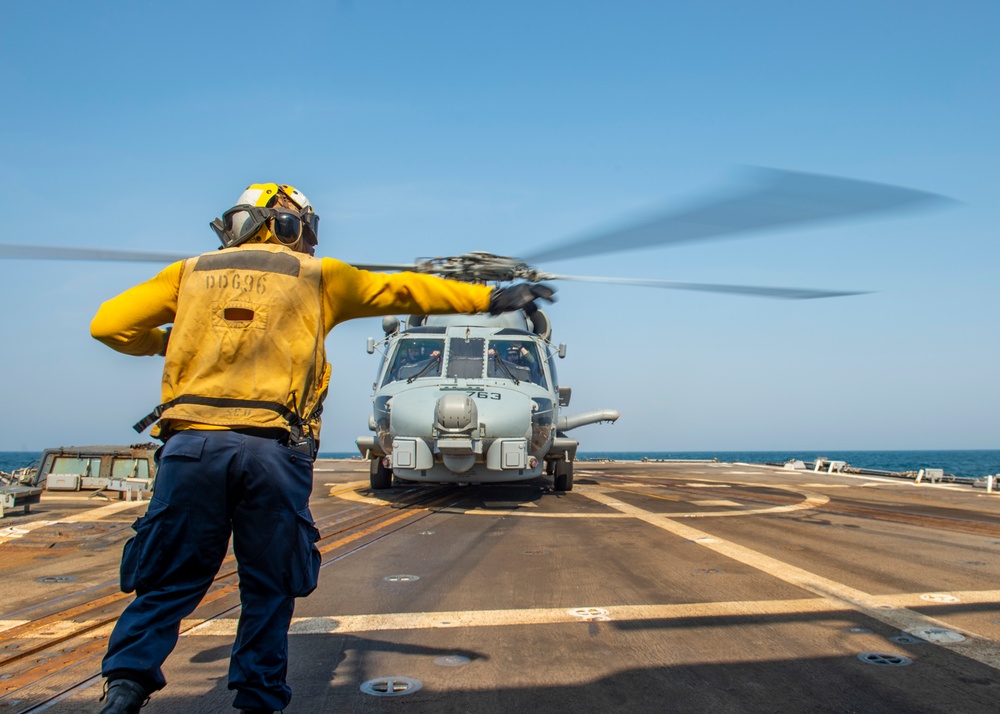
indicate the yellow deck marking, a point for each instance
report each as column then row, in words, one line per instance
column 810, row 500
column 718, row 502
column 977, row 647
column 349, row 492
column 648, row 495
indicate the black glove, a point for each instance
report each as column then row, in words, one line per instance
column 520, row 297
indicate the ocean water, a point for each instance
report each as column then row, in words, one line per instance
column 963, row 464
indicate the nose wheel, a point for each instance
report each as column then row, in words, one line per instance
column 381, row 476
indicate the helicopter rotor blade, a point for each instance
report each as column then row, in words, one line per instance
column 384, row 267
column 749, row 290
column 42, row 252
column 45, row 252
column 770, row 198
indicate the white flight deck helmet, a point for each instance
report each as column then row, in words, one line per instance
column 270, row 213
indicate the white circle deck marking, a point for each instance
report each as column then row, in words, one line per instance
column 937, row 634
column 939, row 597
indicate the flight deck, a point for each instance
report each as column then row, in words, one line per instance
column 685, row 587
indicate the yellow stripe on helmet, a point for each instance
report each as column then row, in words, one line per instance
column 260, row 194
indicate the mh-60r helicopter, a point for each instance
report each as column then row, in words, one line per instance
column 471, row 398
column 476, row 398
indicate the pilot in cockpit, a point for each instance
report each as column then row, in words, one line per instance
column 415, row 358
column 518, row 361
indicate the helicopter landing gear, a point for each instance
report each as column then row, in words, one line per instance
column 381, row 477
column 562, row 480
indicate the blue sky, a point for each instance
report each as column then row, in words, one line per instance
column 434, row 128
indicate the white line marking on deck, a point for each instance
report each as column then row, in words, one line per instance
column 544, row 616
column 19, row 531
column 977, row 647
column 226, row 627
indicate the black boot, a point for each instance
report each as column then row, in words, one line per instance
column 124, row 697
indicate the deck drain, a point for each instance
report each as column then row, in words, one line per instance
column 590, row 614
column 883, row 659
column 791, row 547
column 971, row 563
column 939, row 597
column 401, row 578
column 907, row 640
column 56, row 579
column 707, row 571
column 452, row 661
column 391, row 686
column 936, row 634
column 535, row 552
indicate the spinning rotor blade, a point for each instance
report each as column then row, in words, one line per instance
column 771, row 199
column 383, row 267
column 41, row 252
column 751, row 290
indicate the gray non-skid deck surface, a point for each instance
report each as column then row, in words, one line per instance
column 681, row 588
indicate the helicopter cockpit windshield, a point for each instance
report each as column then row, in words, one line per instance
column 516, row 360
column 416, row 358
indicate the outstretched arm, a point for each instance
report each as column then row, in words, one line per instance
column 131, row 322
column 350, row 293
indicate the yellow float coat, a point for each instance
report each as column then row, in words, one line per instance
column 249, row 325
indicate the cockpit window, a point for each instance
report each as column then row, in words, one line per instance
column 465, row 357
column 129, row 468
column 79, row 465
column 516, row 360
column 415, row 359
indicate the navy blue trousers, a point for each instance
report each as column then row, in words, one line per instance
column 211, row 484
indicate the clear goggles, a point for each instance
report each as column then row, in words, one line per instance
column 241, row 222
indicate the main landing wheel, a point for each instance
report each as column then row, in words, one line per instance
column 381, row 477
column 563, row 478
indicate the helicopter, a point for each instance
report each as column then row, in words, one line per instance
column 471, row 398
column 476, row 398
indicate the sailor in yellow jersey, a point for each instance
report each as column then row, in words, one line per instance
column 244, row 380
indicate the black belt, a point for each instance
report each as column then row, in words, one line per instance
column 291, row 417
